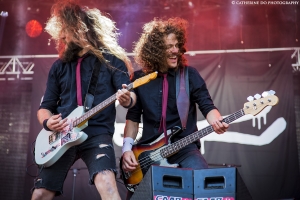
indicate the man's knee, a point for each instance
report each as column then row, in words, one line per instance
column 106, row 176
column 42, row 194
column 106, row 185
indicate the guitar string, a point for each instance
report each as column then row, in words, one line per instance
column 209, row 127
column 110, row 99
column 157, row 156
column 107, row 102
column 189, row 139
column 147, row 161
column 75, row 122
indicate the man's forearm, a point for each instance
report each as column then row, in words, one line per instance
column 131, row 129
column 43, row 114
column 213, row 116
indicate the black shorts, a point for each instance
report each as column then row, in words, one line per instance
column 98, row 154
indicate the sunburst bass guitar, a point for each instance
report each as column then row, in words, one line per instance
column 157, row 152
column 50, row 146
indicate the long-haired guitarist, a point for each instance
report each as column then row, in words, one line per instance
column 170, row 100
column 81, row 32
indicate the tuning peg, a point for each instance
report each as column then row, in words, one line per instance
column 265, row 94
column 257, row 96
column 250, row 98
column 271, row 92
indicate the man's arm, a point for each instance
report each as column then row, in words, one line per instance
column 126, row 99
column 214, row 118
column 54, row 122
column 130, row 132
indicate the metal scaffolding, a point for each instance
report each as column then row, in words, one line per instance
column 15, row 69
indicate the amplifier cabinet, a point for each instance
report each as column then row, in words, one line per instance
column 165, row 183
column 219, row 184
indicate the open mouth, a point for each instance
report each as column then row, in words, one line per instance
column 173, row 58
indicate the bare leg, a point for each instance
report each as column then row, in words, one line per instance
column 106, row 185
column 42, row 194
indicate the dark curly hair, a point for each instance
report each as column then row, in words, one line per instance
column 150, row 49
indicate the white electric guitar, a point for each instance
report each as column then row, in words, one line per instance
column 50, row 146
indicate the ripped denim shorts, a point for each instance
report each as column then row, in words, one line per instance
column 98, row 154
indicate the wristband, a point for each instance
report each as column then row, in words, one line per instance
column 129, row 104
column 127, row 144
column 45, row 125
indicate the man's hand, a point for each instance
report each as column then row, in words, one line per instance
column 214, row 118
column 129, row 162
column 219, row 127
column 123, row 96
column 56, row 123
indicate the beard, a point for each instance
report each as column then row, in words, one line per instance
column 70, row 53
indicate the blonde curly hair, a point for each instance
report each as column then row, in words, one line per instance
column 91, row 29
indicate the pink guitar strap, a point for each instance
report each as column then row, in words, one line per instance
column 165, row 90
column 78, row 82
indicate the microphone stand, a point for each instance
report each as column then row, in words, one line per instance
column 75, row 171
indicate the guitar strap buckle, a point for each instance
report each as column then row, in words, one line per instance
column 89, row 98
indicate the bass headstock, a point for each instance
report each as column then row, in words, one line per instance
column 254, row 107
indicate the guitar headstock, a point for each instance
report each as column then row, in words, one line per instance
column 256, row 106
column 143, row 80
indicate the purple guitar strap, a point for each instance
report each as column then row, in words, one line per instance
column 183, row 95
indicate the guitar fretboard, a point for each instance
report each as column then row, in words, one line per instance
column 98, row 108
column 176, row 146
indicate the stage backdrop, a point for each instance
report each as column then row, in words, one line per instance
column 262, row 147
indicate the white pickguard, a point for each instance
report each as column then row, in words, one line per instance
column 47, row 154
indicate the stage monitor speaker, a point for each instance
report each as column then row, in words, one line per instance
column 165, row 183
column 220, row 184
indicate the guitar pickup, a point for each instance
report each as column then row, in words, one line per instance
column 54, row 137
column 127, row 175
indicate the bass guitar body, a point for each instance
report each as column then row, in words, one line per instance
column 147, row 155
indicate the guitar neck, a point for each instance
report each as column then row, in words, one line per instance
column 98, row 108
column 176, row 146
